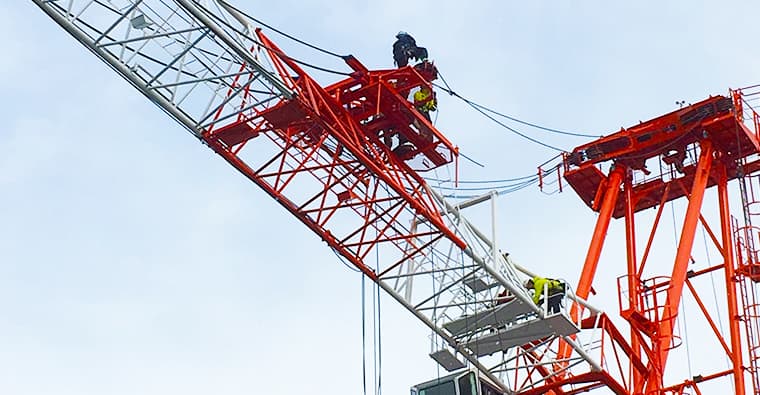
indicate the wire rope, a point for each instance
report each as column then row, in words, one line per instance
column 481, row 108
column 364, row 340
column 280, row 53
column 502, row 124
column 489, row 187
column 715, row 292
column 379, row 349
column 296, row 39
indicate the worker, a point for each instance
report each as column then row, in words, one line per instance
column 541, row 286
column 406, row 48
column 424, row 101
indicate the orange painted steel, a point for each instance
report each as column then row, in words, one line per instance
column 326, row 156
column 680, row 154
column 730, row 279
column 680, row 267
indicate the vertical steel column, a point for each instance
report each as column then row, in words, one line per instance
column 728, row 262
column 630, row 244
column 597, row 242
column 680, row 267
column 600, row 232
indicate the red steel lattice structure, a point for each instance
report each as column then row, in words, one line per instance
column 697, row 147
column 326, row 155
column 337, row 140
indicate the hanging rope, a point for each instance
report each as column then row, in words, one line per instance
column 686, row 338
column 364, row 341
column 374, row 338
column 379, row 349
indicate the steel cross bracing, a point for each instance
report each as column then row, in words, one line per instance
column 324, row 153
column 696, row 147
column 182, row 55
column 597, row 355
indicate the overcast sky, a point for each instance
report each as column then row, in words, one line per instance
column 134, row 260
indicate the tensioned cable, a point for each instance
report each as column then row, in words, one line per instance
column 485, row 188
column 526, row 123
column 236, row 30
column 480, row 108
column 451, row 91
column 511, row 118
column 715, row 292
column 471, row 160
column 498, row 192
column 477, row 107
column 502, row 124
column 480, row 181
column 312, row 46
column 328, row 52
column 435, row 121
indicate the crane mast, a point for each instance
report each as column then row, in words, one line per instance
column 678, row 155
column 326, row 155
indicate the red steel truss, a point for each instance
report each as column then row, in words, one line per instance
column 680, row 154
column 333, row 157
column 327, row 156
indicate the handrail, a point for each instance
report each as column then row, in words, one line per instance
column 744, row 111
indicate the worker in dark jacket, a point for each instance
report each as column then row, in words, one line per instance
column 406, row 48
column 555, row 289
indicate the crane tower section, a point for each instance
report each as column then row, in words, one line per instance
column 678, row 155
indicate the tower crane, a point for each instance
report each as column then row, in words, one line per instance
column 678, row 155
column 325, row 154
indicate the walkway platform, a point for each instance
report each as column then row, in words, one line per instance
column 503, row 314
column 522, row 333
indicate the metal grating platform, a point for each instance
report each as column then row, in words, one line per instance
column 522, row 333
column 500, row 315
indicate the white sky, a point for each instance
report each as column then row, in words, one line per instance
column 134, row 260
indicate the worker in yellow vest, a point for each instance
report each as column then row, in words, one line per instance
column 555, row 289
column 424, row 101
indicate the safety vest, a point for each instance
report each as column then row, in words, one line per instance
column 555, row 287
column 424, row 100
